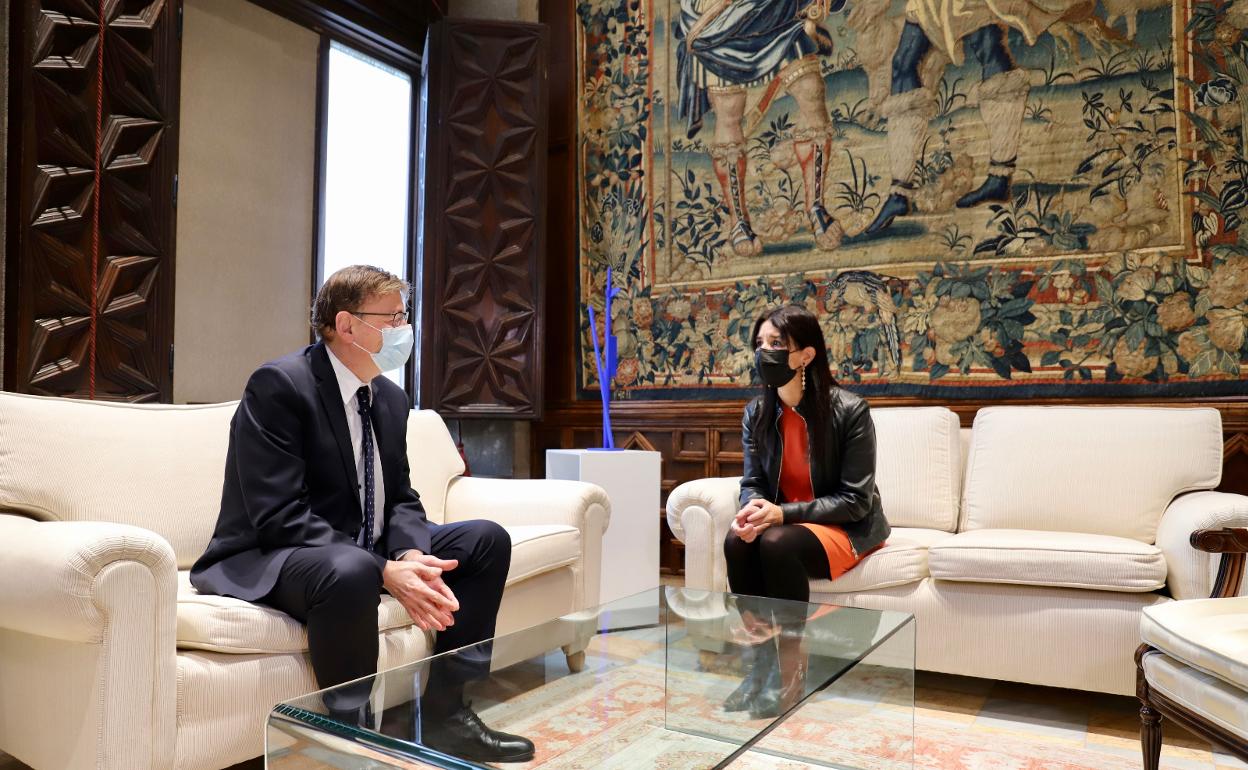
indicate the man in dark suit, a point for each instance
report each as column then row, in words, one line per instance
column 318, row 515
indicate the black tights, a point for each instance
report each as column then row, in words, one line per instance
column 779, row 563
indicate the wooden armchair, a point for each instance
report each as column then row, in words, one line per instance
column 1193, row 665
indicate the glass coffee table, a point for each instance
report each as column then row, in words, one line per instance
column 649, row 692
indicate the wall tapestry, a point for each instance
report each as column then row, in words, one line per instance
column 978, row 198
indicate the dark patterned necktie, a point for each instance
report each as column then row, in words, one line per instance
column 366, row 416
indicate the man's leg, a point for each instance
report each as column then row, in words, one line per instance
column 334, row 590
column 1002, row 104
column 483, row 550
column 908, row 109
column 812, row 142
column 729, row 163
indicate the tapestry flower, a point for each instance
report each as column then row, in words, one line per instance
column 1217, row 92
column 1133, row 362
column 1175, row 312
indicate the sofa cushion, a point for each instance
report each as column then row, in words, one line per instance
column 1208, row 634
column 153, row 466
column 1100, row 470
column 918, row 466
column 903, row 559
column 1059, row 559
column 433, row 461
column 538, row 548
column 226, row 624
column 1198, row 692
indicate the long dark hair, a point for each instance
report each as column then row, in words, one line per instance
column 798, row 326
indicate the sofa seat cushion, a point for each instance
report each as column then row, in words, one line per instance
column 1058, row 559
column 1198, row 692
column 1207, row 634
column 903, row 559
column 538, row 548
column 226, row 624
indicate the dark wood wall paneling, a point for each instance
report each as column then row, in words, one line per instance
column 697, row 439
column 91, row 254
column 561, row 211
column 57, row 340
column 485, row 194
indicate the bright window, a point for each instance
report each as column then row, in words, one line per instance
column 366, row 169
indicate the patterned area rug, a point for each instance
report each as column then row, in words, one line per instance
column 861, row 722
column 613, row 716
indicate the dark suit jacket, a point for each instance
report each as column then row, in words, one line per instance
column 290, row 477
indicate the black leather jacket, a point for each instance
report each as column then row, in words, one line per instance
column 843, row 480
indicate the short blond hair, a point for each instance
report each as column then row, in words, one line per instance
column 349, row 288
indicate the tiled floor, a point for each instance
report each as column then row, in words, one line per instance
column 1104, row 724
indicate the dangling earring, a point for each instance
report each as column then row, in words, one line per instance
column 803, row 372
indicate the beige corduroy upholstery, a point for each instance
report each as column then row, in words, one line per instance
column 110, row 660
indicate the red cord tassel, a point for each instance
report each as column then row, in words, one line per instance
column 95, row 200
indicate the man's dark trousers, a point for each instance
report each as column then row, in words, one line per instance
column 334, row 590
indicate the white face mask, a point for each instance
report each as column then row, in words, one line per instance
column 396, row 346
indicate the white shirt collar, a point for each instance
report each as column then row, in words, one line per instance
column 348, row 383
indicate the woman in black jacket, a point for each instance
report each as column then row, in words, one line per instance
column 809, row 505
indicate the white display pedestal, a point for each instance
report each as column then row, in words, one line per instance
column 630, row 546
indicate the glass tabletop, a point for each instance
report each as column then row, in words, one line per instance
column 669, row 677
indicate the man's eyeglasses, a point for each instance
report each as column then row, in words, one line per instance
column 394, row 318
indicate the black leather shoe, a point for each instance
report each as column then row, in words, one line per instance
column 361, row 716
column 897, row 205
column 994, row 188
column 463, row 734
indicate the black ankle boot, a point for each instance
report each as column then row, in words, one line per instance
column 995, row 188
column 897, row 205
column 463, row 735
column 786, row 681
column 760, row 660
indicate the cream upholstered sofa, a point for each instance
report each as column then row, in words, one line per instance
column 1027, row 546
column 108, row 657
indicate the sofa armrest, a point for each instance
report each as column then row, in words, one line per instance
column 517, row 502
column 51, row 574
column 699, row 514
column 88, row 612
column 1192, row 572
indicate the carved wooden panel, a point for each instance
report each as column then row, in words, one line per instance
column 94, row 225
column 700, row 440
column 484, row 157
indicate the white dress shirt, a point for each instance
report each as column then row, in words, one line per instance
column 348, row 384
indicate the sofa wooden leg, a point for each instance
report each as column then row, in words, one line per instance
column 1150, row 737
column 576, row 661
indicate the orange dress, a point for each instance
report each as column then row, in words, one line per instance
column 796, row 487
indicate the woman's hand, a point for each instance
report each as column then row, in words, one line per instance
column 758, row 514
column 746, row 533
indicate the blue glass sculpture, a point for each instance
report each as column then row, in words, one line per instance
column 606, row 363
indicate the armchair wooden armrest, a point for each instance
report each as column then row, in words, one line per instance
column 1232, row 543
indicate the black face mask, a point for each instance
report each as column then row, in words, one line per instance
column 773, row 367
